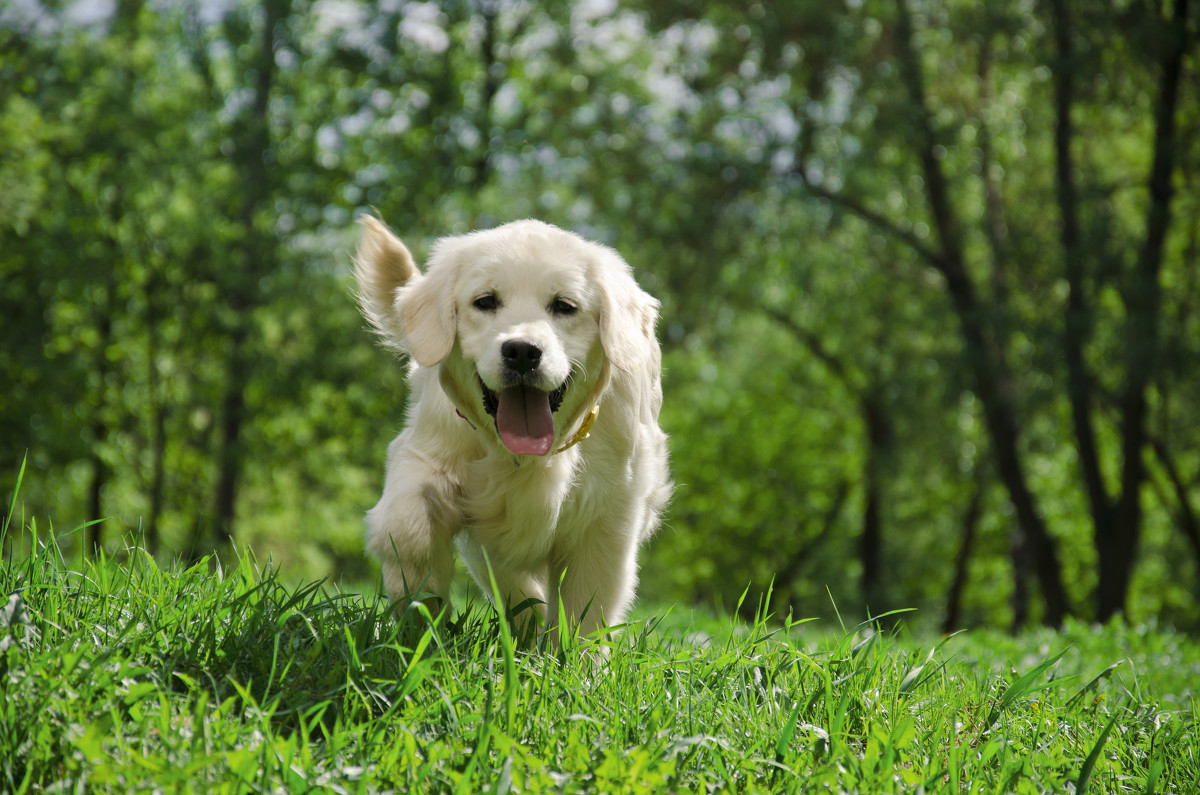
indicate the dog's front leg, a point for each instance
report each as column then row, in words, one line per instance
column 411, row 530
column 515, row 585
column 596, row 581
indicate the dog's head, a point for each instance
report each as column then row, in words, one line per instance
column 521, row 319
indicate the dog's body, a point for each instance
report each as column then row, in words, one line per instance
column 526, row 340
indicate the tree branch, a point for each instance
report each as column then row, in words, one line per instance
column 1187, row 523
column 791, row 571
column 997, row 225
column 875, row 219
column 936, row 186
column 962, row 560
column 815, row 346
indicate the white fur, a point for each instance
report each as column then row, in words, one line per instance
column 577, row 516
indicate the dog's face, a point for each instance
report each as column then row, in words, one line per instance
column 527, row 321
column 521, row 319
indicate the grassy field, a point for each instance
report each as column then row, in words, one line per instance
column 131, row 677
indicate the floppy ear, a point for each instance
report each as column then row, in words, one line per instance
column 414, row 313
column 382, row 265
column 628, row 315
column 426, row 306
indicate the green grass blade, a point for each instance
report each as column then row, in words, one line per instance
column 171, row 679
column 1022, row 687
column 917, row 675
column 1093, row 685
column 506, row 649
column 1089, row 764
column 1156, row 770
column 16, row 491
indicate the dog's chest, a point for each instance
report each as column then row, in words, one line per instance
column 515, row 512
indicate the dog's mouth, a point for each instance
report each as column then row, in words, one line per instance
column 524, row 416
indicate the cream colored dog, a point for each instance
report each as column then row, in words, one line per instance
column 532, row 430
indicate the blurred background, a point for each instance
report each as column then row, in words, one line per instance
column 929, row 273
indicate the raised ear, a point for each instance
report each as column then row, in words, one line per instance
column 414, row 313
column 628, row 315
column 382, row 265
column 426, row 306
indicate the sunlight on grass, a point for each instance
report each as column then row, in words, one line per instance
column 131, row 677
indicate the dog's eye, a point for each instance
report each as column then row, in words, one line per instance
column 561, row 306
column 488, row 302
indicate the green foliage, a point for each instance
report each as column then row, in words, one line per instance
column 131, row 677
column 178, row 325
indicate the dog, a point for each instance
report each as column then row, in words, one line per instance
column 532, row 440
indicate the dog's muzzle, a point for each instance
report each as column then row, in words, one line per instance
column 524, row 414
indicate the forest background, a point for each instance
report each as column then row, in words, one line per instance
column 931, row 304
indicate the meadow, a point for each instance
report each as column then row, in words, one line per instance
column 126, row 675
column 931, row 332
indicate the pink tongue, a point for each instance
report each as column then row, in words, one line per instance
column 524, row 420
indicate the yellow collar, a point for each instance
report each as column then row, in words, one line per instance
column 584, row 429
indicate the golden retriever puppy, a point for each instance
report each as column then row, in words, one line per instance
column 532, row 439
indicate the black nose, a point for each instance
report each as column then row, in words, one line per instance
column 521, row 356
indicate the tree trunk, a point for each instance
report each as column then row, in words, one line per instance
column 491, row 84
column 233, row 411
column 958, row 583
column 95, row 537
column 1116, row 521
column 1078, row 322
column 877, row 431
column 152, row 291
column 1019, row 602
column 1143, row 301
column 124, row 30
column 985, row 361
column 878, row 438
column 99, row 431
column 256, row 258
column 996, row 229
column 157, row 478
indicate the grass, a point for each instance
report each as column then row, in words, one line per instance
column 134, row 677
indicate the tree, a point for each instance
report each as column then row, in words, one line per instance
column 1117, row 519
column 929, row 316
